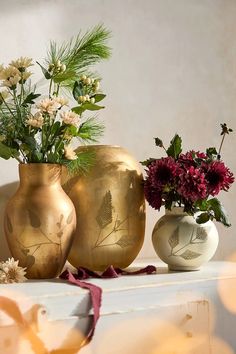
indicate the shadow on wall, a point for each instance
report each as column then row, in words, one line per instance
column 6, row 191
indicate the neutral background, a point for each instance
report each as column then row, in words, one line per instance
column 173, row 69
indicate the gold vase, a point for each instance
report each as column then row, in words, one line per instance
column 40, row 221
column 110, row 210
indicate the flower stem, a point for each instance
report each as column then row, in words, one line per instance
column 221, row 144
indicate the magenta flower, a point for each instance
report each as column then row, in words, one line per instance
column 152, row 195
column 192, row 184
column 218, row 177
column 162, row 172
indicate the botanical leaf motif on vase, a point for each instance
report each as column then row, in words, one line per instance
column 70, row 218
column 34, row 219
column 174, row 238
column 201, row 234
column 30, row 260
column 125, row 241
column 188, row 254
column 104, row 216
column 59, row 223
column 9, row 224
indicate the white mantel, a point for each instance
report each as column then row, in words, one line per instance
column 142, row 311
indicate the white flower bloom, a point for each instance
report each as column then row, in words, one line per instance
column 70, row 117
column 10, row 76
column 25, row 75
column 22, row 63
column 9, row 71
column 48, row 105
column 11, row 82
column 69, row 153
column 36, row 121
column 10, row 272
column 61, row 101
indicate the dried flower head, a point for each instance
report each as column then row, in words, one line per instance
column 10, row 272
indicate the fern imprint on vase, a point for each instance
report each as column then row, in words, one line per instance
column 29, row 250
column 105, row 219
column 197, row 235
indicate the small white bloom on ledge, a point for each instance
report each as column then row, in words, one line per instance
column 11, row 272
column 70, row 153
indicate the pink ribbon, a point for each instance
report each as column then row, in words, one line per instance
column 95, row 291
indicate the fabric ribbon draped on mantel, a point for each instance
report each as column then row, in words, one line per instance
column 12, row 309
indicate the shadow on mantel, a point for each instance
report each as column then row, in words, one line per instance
column 6, row 191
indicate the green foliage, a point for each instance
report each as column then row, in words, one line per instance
column 158, row 142
column 46, row 74
column 175, row 147
column 147, row 162
column 7, row 152
column 211, row 152
column 85, row 160
column 203, row 217
column 41, row 131
column 79, row 53
column 219, row 211
column 90, row 130
column 98, row 97
column 30, row 98
column 78, row 90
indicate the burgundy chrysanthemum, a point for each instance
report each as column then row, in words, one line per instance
column 187, row 159
column 218, row 177
column 192, row 184
column 162, row 172
column 152, row 195
column 201, row 155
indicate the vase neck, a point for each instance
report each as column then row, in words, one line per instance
column 37, row 174
column 176, row 211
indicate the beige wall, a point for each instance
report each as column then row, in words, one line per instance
column 173, row 69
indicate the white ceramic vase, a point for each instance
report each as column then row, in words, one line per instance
column 182, row 243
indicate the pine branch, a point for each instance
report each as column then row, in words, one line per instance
column 91, row 130
column 80, row 53
column 85, row 160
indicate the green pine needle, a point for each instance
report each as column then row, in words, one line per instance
column 85, row 160
column 91, row 130
column 80, row 52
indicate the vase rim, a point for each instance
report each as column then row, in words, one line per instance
column 176, row 210
column 101, row 146
column 39, row 163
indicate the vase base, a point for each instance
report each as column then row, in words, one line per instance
column 182, row 268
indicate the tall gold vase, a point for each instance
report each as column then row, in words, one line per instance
column 40, row 221
column 110, row 208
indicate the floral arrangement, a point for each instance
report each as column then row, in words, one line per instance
column 38, row 128
column 10, row 272
column 190, row 180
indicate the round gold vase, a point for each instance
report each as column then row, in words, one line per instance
column 110, row 210
column 40, row 221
